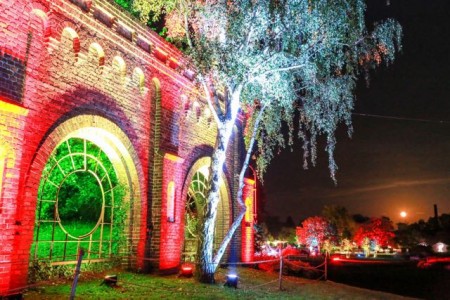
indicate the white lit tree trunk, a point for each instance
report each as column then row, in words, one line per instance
column 208, row 261
column 225, row 119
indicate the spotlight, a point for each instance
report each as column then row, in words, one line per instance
column 110, row 280
column 232, row 280
column 186, row 270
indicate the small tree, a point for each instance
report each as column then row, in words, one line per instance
column 365, row 245
column 346, row 246
column 340, row 220
column 378, row 231
column 290, row 56
column 313, row 232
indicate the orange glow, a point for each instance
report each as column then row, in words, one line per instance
column 12, row 108
column 173, row 158
column 248, row 212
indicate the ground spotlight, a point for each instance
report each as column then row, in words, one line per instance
column 232, row 280
column 110, row 280
column 186, row 270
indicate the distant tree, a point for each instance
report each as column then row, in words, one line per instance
column 289, row 222
column 287, row 234
column 346, row 246
column 360, row 219
column 365, row 245
column 379, row 231
column 340, row 220
column 261, row 236
column 313, row 232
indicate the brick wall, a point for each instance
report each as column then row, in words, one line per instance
column 67, row 65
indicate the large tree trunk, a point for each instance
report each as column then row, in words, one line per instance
column 209, row 262
column 208, row 265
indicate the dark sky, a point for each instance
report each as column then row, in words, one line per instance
column 390, row 164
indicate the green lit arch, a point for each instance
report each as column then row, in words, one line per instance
column 195, row 187
column 107, row 138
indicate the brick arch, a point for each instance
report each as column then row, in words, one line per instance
column 38, row 16
column 119, row 67
column 115, row 143
column 138, row 78
column 96, row 55
column 70, row 40
column 224, row 213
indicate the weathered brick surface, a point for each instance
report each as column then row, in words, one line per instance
column 67, row 65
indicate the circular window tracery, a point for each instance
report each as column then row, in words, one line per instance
column 79, row 203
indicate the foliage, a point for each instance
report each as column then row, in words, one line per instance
column 313, row 232
column 261, row 236
column 40, row 270
column 409, row 235
column 377, row 230
column 272, row 60
column 346, row 246
column 340, row 220
column 79, row 185
column 43, row 270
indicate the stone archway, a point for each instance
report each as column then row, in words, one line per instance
column 89, row 193
column 195, row 195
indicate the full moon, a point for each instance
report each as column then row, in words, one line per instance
column 403, row 214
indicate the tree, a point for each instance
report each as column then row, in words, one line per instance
column 379, row 232
column 339, row 218
column 270, row 60
column 313, row 232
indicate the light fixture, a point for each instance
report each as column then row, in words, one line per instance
column 232, row 280
column 110, row 280
column 186, row 270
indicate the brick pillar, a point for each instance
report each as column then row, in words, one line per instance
column 172, row 210
column 13, row 257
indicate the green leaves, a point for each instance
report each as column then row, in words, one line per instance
column 298, row 57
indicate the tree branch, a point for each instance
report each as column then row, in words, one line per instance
column 208, row 99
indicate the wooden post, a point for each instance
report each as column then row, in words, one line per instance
column 280, row 276
column 326, row 268
column 77, row 273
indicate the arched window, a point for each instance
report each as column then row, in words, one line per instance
column 171, row 202
column 248, row 212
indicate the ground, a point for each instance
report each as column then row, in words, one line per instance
column 253, row 284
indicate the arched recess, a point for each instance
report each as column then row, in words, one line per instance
column 93, row 150
column 194, row 192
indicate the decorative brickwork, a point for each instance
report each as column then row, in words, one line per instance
column 84, row 68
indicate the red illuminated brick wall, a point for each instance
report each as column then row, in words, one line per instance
column 172, row 225
column 62, row 59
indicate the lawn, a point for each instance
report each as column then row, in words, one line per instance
column 253, row 284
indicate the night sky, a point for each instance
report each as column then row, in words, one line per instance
column 390, row 164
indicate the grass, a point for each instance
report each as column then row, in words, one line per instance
column 69, row 249
column 253, row 284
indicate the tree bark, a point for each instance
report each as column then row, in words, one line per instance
column 207, row 265
column 208, row 262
